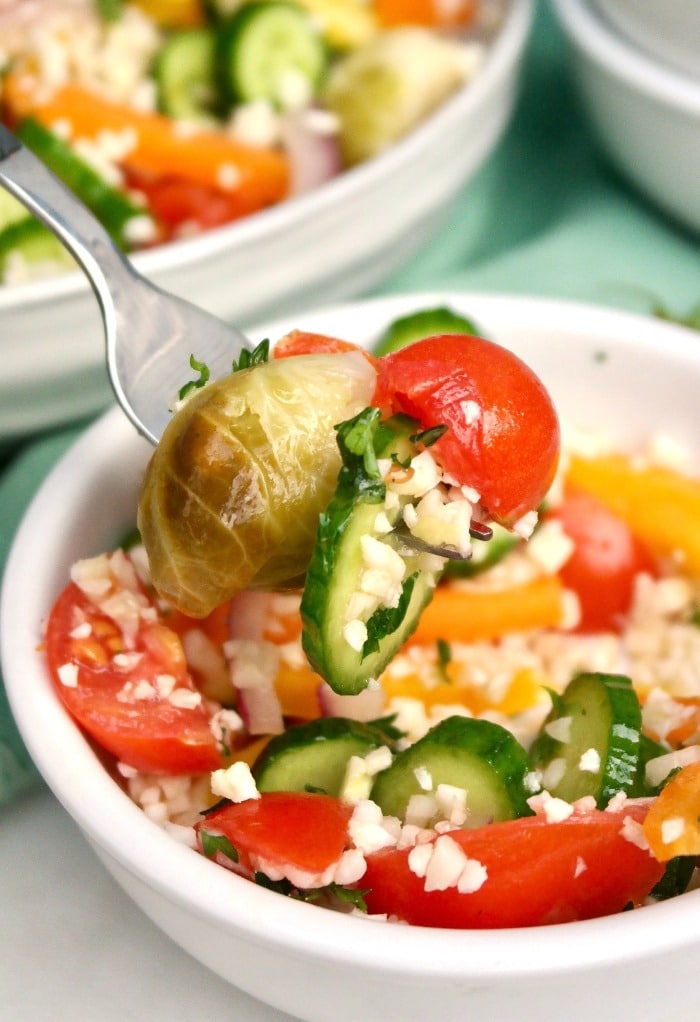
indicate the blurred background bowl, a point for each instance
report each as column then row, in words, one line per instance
column 331, row 967
column 646, row 115
column 668, row 30
column 335, row 242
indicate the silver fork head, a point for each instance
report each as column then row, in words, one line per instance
column 150, row 334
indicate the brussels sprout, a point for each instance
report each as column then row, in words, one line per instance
column 233, row 492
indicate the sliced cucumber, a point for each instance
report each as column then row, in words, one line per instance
column 263, row 46
column 34, row 243
column 590, row 742
column 184, row 75
column 113, row 208
column 481, row 757
column 11, row 210
column 336, row 567
column 314, row 756
column 424, row 323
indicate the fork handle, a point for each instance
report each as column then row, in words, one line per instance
column 26, row 177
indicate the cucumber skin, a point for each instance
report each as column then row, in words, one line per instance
column 229, row 74
column 620, row 759
column 349, row 515
column 112, row 208
column 345, row 670
column 185, row 65
column 34, row 241
column 485, row 748
column 424, row 323
column 284, row 765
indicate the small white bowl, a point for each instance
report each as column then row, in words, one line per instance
column 333, row 243
column 647, row 116
column 328, row 967
column 668, row 30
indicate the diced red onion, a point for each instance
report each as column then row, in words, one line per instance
column 248, row 614
column 260, row 710
column 314, row 154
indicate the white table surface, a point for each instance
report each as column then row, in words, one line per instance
column 74, row 946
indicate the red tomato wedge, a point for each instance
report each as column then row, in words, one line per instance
column 503, row 433
column 605, row 563
column 177, row 203
column 302, row 342
column 537, row 873
column 142, row 706
column 290, row 831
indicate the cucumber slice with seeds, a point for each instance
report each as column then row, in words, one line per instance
column 34, row 244
column 315, row 755
column 590, row 742
column 334, row 575
column 265, row 45
column 483, row 758
column 184, row 74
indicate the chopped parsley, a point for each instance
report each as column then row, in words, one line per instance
column 214, row 843
column 204, row 372
column 249, row 359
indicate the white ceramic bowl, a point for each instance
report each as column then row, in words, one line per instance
column 647, row 116
column 333, row 243
column 328, row 967
column 668, row 30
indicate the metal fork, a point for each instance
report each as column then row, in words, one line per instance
column 150, row 334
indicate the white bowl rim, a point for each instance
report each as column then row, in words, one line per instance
column 500, row 56
column 624, row 60
column 112, row 821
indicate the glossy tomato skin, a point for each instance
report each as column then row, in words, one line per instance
column 605, row 563
column 151, row 734
column 285, row 829
column 503, row 437
column 177, row 203
column 537, row 873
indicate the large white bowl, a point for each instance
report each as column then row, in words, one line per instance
column 333, row 243
column 306, row 961
column 646, row 115
column 668, row 30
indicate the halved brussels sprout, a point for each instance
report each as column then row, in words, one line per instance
column 233, row 492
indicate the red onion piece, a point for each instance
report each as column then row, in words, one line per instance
column 312, row 149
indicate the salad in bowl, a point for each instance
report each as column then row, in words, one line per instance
column 429, row 710
column 171, row 119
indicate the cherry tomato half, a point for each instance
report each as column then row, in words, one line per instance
column 503, row 433
column 123, row 703
column 606, row 561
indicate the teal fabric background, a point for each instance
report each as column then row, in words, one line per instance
column 546, row 216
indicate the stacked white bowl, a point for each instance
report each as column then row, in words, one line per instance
column 637, row 66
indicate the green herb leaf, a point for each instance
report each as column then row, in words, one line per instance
column 427, row 437
column 110, row 10
column 444, row 652
column 199, row 367
column 256, row 357
column 213, row 843
column 386, row 620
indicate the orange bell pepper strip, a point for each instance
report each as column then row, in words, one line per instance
column 173, row 13
column 430, row 13
column 458, row 614
column 161, row 145
column 672, row 825
column 661, row 507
